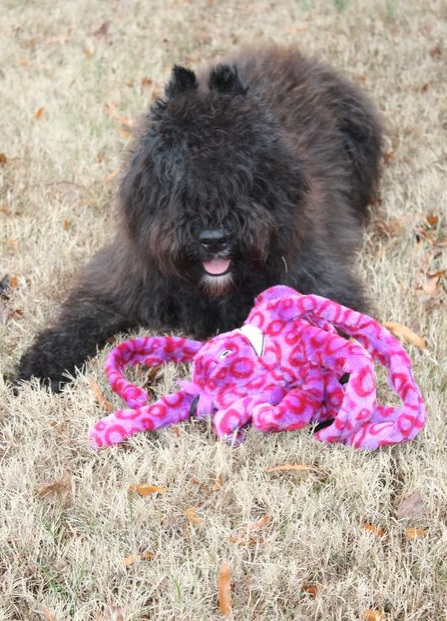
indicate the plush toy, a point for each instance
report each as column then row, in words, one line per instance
column 280, row 371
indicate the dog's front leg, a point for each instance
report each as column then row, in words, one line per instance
column 84, row 323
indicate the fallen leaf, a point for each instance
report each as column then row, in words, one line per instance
column 405, row 334
column 218, row 484
column 111, row 110
column 432, row 220
column 245, row 534
column 38, row 115
column 388, row 157
column 13, row 244
column 103, row 30
column 436, row 51
column 374, row 615
column 201, row 486
column 374, row 530
column 192, row 516
column 412, row 508
column 293, row 468
column 99, row 396
column 67, row 225
column 396, row 226
column 415, row 533
column 112, row 175
column 259, row 523
column 251, row 541
column 3, row 159
column 146, row 82
column 146, row 490
column 13, row 282
column 310, row 589
column 224, row 590
column 133, row 558
column 47, row 614
column 60, row 486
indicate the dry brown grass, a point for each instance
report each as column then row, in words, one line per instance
column 68, row 521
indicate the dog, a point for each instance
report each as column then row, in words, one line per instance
column 253, row 171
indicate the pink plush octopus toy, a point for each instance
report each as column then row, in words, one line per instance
column 279, row 372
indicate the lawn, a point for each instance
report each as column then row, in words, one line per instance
column 353, row 535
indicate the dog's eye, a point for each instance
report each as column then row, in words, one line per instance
column 224, row 353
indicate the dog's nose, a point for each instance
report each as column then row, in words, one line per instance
column 214, row 241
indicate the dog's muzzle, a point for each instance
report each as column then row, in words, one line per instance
column 215, row 245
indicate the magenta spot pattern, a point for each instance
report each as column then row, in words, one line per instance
column 280, row 371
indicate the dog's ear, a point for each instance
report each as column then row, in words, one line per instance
column 182, row 81
column 225, row 79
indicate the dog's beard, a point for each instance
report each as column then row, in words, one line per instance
column 217, row 286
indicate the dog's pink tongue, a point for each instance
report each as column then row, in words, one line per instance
column 216, row 267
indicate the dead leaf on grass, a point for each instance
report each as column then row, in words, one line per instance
column 60, row 487
column 395, row 227
column 436, row 51
column 294, row 468
column 3, row 159
column 310, row 589
column 133, row 558
column 374, row 615
column 374, row 530
column 99, row 396
column 146, row 82
column 116, row 116
column 207, row 489
column 194, row 519
column 224, row 590
column 47, row 614
column 103, row 30
column 247, row 536
column 146, row 490
column 432, row 220
column 38, row 114
column 430, row 288
column 415, row 533
column 412, row 508
column 405, row 334
column 218, row 484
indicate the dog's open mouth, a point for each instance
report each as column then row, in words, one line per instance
column 217, row 267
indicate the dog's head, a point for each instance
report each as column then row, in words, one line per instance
column 212, row 192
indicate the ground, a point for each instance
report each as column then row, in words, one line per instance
column 354, row 535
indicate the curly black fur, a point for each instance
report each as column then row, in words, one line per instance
column 252, row 172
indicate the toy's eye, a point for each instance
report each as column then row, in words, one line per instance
column 224, row 353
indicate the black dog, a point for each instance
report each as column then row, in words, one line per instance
column 253, row 172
